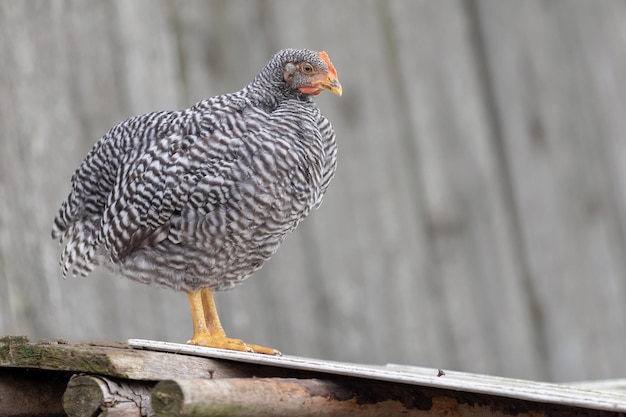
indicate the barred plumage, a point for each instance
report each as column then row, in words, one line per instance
column 201, row 198
column 197, row 200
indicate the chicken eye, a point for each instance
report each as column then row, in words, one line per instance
column 306, row 68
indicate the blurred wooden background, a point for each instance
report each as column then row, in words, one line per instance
column 477, row 221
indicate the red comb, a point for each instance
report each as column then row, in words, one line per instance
column 326, row 59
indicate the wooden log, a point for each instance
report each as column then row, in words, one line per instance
column 344, row 396
column 31, row 393
column 89, row 395
column 240, row 397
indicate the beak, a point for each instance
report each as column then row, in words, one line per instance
column 330, row 83
column 334, row 87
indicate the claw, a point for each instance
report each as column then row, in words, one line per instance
column 230, row 344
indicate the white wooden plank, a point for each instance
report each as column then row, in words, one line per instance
column 608, row 385
column 458, row 381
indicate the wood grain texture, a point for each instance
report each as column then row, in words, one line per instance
column 478, row 217
column 280, row 397
column 88, row 395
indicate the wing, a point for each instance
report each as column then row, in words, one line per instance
column 238, row 166
column 154, row 184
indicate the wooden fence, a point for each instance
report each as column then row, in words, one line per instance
column 477, row 221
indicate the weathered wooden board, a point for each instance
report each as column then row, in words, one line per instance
column 556, row 90
column 109, row 359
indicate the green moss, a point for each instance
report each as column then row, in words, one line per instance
column 8, row 345
column 13, row 339
column 18, row 352
column 168, row 400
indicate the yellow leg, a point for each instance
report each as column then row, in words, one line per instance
column 210, row 314
column 207, row 329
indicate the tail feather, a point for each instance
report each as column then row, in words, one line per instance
column 60, row 224
column 81, row 240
